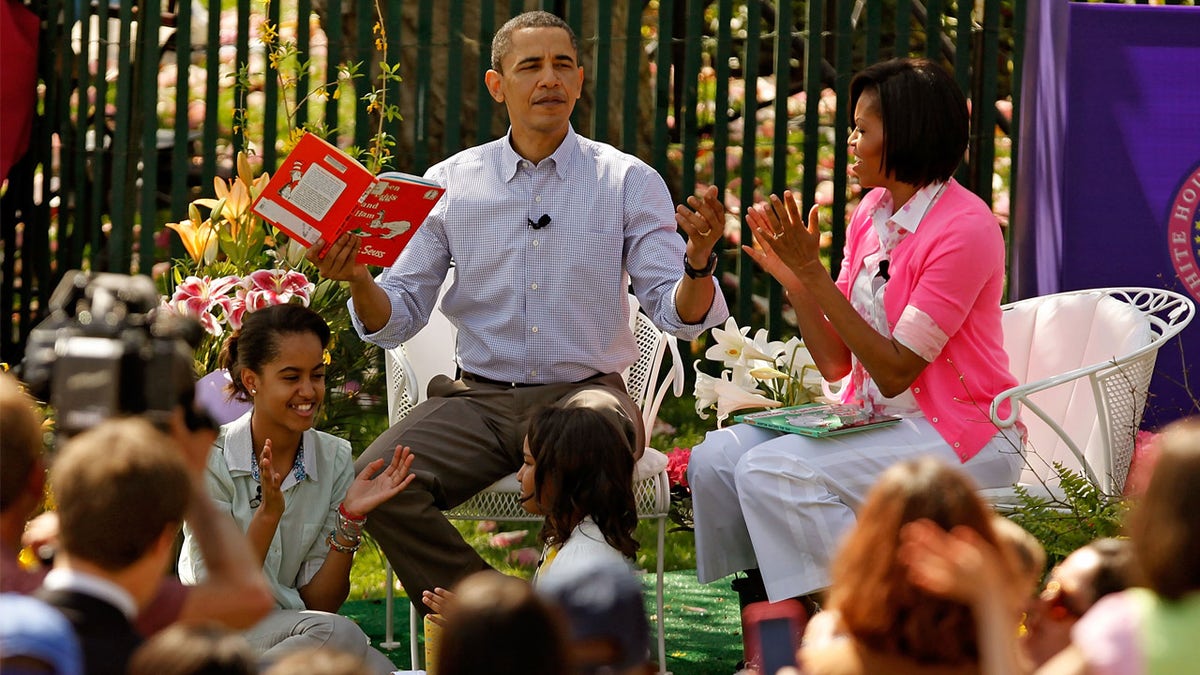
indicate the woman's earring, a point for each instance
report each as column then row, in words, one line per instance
column 253, row 392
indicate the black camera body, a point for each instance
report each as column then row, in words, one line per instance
column 106, row 350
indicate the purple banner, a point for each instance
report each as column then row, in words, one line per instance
column 1131, row 168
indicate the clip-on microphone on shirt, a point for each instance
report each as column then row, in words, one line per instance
column 541, row 222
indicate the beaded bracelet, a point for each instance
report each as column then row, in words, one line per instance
column 332, row 541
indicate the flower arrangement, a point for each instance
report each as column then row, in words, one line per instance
column 225, row 300
column 236, row 263
column 758, row 373
column 681, row 492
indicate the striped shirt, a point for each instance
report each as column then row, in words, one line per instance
column 542, row 305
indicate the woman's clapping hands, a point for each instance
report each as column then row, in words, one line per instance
column 367, row 492
column 784, row 245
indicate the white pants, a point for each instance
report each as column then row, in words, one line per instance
column 284, row 631
column 782, row 502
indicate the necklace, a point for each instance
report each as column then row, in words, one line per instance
column 297, row 471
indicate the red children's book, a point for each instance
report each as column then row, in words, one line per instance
column 321, row 192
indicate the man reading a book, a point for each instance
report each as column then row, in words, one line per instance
column 545, row 231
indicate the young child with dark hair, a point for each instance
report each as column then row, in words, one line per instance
column 578, row 473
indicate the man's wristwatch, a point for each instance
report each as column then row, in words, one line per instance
column 705, row 271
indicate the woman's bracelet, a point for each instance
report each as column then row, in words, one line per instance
column 349, row 534
column 332, row 541
column 346, row 514
column 348, row 527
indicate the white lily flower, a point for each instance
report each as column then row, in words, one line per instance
column 800, row 362
column 730, row 342
column 740, row 375
column 768, row 373
column 705, row 391
column 758, row 373
column 731, row 397
column 294, row 252
column 763, row 348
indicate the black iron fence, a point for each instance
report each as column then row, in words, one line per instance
column 142, row 103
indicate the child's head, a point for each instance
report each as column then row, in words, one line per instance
column 322, row 660
column 606, row 612
column 577, row 464
column 1024, row 554
column 498, row 625
column 880, row 606
column 1164, row 527
column 277, row 360
column 1091, row 572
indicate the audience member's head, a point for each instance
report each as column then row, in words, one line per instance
column 122, row 489
column 498, row 625
column 1025, row 555
column 606, row 612
column 879, row 606
column 1165, row 525
column 22, row 473
column 579, row 463
column 36, row 638
column 1093, row 571
column 206, row 649
column 324, row 661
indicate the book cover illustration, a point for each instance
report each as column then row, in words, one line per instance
column 321, row 192
column 818, row 419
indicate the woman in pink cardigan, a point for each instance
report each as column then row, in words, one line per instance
column 911, row 325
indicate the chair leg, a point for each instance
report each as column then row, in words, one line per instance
column 662, row 619
column 389, row 636
column 414, row 653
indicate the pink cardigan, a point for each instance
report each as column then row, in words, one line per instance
column 952, row 269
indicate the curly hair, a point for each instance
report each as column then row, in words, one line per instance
column 584, row 468
column 878, row 604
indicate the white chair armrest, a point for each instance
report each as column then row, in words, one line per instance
column 676, row 368
column 651, row 464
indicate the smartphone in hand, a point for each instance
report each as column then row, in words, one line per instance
column 773, row 631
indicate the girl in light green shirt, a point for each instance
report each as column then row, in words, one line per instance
column 292, row 488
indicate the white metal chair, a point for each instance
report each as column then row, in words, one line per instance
column 1085, row 359
column 431, row 352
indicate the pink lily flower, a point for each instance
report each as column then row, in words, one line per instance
column 276, row 287
column 202, row 298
